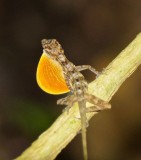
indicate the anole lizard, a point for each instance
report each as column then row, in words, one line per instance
column 57, row 75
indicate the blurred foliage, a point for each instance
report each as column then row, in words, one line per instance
column 32, row 118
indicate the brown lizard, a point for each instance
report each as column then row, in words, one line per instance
column 76, row 84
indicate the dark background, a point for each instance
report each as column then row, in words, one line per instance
column 91, row 32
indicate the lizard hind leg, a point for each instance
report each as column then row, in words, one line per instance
column 98, row 103
column 68, row 101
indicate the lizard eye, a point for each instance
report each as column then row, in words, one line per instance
column 49, row 47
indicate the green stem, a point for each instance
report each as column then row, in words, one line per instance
column 65, row 128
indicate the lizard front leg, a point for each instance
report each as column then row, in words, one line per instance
column 84, row 67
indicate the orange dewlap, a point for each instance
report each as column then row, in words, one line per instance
column 50, row 76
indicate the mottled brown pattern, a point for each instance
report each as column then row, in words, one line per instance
column 77, row 85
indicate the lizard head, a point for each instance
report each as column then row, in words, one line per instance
column 52, row 47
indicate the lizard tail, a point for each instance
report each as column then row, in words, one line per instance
column 82, row 108
column 84, row 141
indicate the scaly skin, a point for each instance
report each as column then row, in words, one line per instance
column 77, row 85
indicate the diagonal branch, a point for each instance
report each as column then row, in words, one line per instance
column 65, row 128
